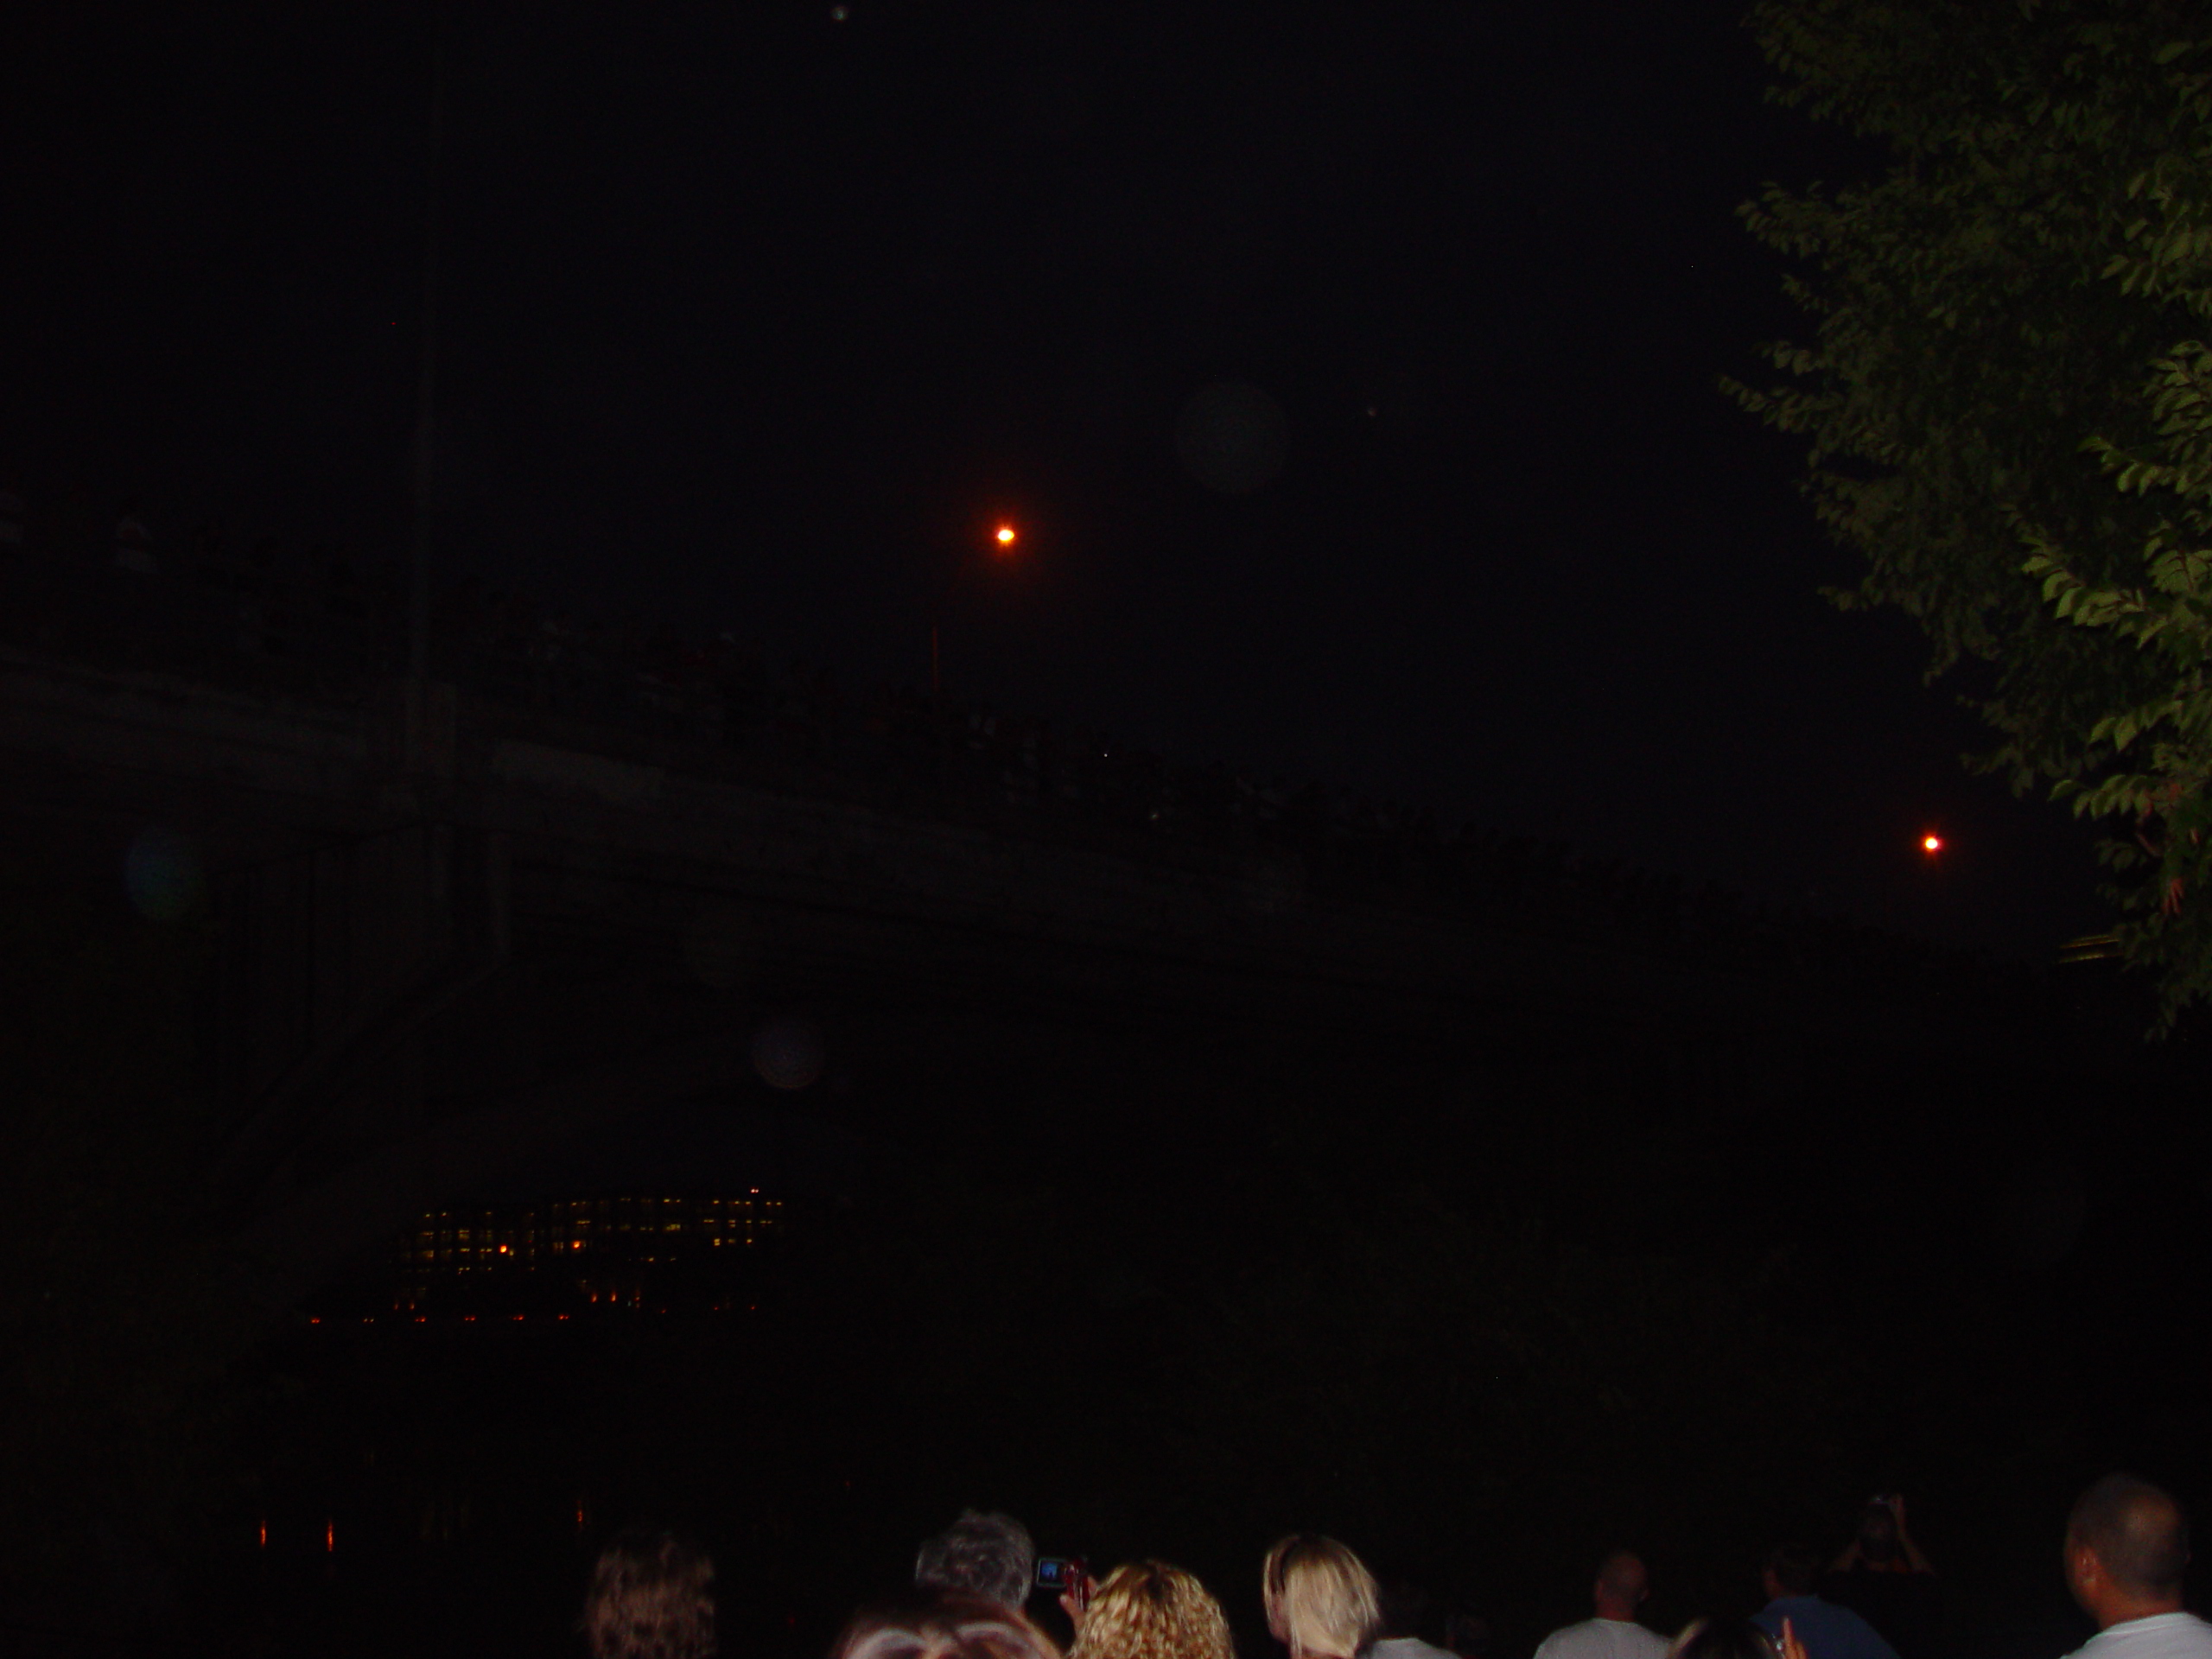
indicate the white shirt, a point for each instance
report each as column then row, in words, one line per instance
column 2161, row 1635
column 1407, row 1647
column 1619, row 1638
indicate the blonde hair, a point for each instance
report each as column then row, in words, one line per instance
column 1321, row 1599
column 1148, row 1610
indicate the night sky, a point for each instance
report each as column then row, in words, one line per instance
column 759, row 317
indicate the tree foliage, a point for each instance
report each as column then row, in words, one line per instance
column 1986, row 314
column 2153, row 759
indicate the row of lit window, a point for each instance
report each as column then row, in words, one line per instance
column 466, row 1259
column 585, row 1208
column 489, row 1236
column 530, row 1235
column 492, row 1224
column 427, row 1244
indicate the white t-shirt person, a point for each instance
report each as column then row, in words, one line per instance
column 1622, row 1638
column 2160, row 1636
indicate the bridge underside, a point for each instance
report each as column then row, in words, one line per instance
column 434, row 957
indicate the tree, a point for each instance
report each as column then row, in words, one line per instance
column 1986, row 312
column 2156, row 754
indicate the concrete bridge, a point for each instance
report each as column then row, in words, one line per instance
column 458, row 920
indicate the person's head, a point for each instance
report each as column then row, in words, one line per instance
column 1408, row 1610
column 1877, row 1532
column 1148, row 1610
column 1467, row 1634
column 1721, row 1639
column 649, row 1599
column 2126, row 1548
column 986, row 1554
column 943, row 1624
column 1790, row 1570
column 1622, row 1586
column 1321, row 1599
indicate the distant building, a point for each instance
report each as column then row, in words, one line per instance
column 563, row 1255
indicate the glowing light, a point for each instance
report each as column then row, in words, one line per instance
column 1931, row 843
column 329, row 1537
column 1004, row 537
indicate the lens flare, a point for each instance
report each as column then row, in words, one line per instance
column 163, row 876
column 787, row 1052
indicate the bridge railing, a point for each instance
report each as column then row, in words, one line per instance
column 333, row 634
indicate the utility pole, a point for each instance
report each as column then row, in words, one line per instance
column 426, row 385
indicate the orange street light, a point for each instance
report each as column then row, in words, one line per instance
column 1931, row 844
column 1003, row 536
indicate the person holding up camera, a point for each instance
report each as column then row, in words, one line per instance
column 1883, row 1576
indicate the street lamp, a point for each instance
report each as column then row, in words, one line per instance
column 1002, row 540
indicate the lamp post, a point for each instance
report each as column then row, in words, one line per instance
column 1004, row 539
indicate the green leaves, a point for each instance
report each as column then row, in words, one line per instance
column 1994, row 361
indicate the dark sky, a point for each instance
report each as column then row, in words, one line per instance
column 757, row 317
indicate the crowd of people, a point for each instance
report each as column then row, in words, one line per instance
column 2126, row 1550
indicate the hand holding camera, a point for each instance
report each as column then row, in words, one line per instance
column 1071, row 1576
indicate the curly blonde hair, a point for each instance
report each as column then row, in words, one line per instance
column 1148, row 1610
column 1322, row 1601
